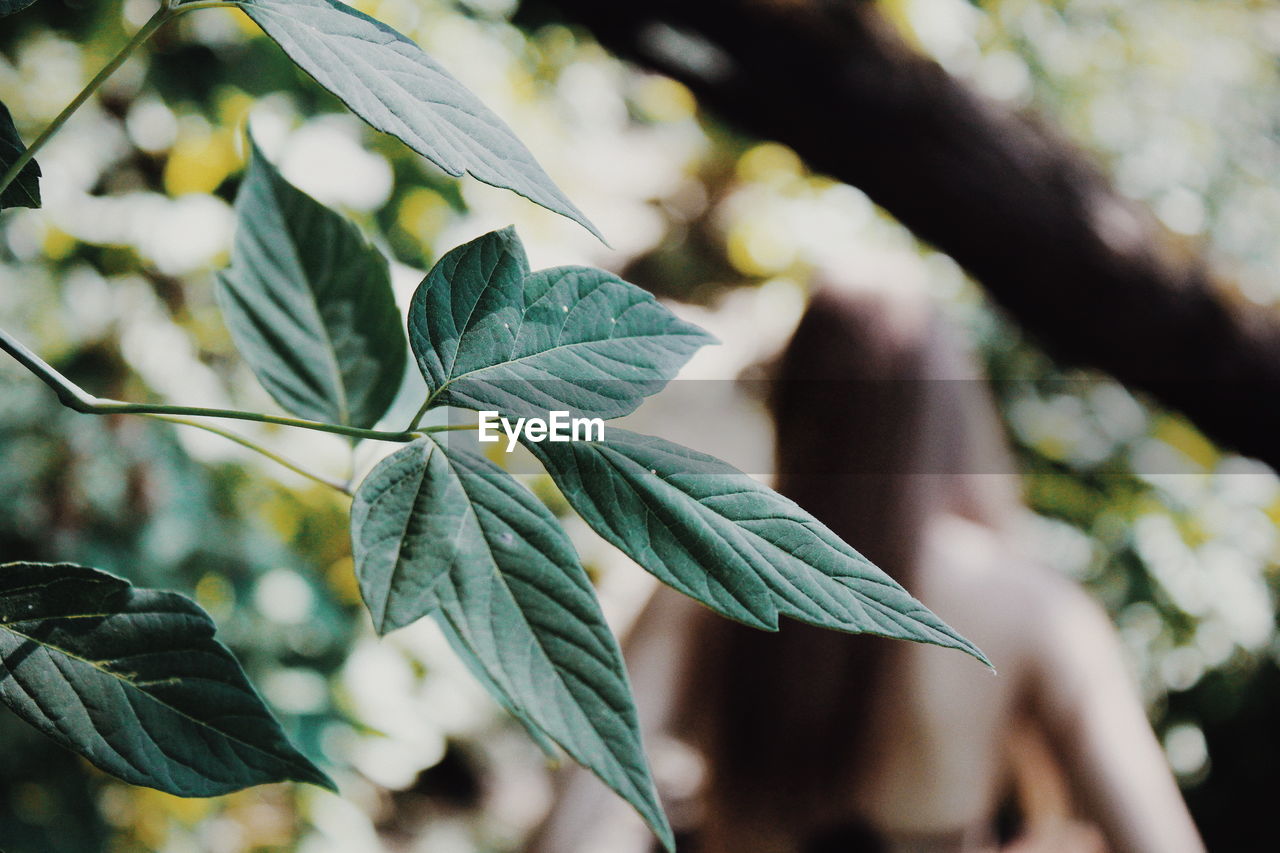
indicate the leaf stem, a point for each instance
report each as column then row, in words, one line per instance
column 179, row 8
column 168, row 9
column 76, row 398
column 417, row 419
column 244, row 442
column 450, row 428
column 163, row 14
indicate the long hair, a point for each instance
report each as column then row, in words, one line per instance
column 880, row 422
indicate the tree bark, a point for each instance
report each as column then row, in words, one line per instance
column 1088, row 274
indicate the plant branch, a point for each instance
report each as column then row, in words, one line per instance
column 74, row 397
column 168, row 10
column 450, row 428
column 163, row 14
column 257, row 448
column 422, row 412
column 179, row 8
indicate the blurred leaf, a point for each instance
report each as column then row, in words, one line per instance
column 744, row 550
column 389, row 81
column 310, row 304
column 9, row 7
column 25, row 190
column 450, row 534
column 489, row 335
column 133, row 680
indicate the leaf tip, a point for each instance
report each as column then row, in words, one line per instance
column 378, row 615
column 386, row 622
column 321, row 780
column 700, row 336
column 665, row 834
column 508, row 242
column 382, row 624
column 595, row 232
column 308, row 773
column 707, row 339
column 253, row 155
column 956, row 641
column 254, row 150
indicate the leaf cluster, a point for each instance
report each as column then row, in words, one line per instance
column 133, row 679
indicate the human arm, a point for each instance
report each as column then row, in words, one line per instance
column 1084, row 697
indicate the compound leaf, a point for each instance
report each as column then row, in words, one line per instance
column 447, row 533
column 310, row 305
column 133, row 680
column 25, row 189
column 488, row 334
column 705, row 528
column 389, row 81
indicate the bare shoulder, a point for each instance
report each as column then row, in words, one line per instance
column 1011, row 605
column 968, row 564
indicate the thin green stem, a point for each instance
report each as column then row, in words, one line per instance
column 432, row 429
column 117, row 407
column 168, row 9
column 254, row 446
column 179, row 8
column 163, row 14
column 74, row 397
column 417, row 419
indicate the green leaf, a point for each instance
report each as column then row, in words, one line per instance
column 477, row 669
column 9, row 7
column 447, row 533
column 389, row 81
column 310, row 305
column 133, row 680
column 705, row 528
column 25, row 190
column 487, row 334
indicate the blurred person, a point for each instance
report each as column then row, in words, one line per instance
column 814, row 741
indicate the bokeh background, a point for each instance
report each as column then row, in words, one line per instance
column 1179, row 100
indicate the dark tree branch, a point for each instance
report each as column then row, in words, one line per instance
column 1088, row 274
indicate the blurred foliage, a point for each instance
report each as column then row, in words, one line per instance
column 112, row 283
